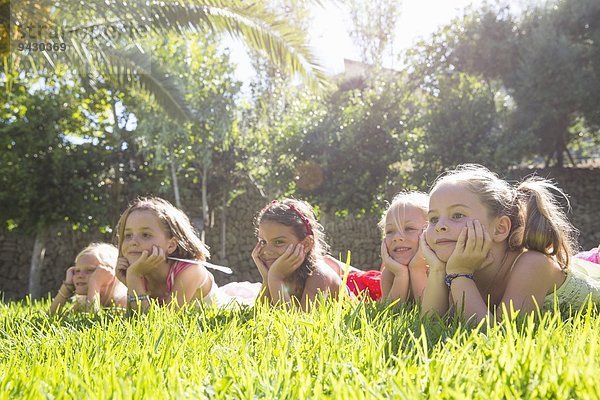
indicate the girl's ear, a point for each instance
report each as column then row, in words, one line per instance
column 501, row 229
column 172, row 246
column 309, row 242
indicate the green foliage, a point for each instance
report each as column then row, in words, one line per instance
column 48, row 177
column 462, row 124
column 340, row 350
column 547, row 59
column 356, row 144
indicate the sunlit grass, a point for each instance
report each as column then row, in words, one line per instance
column 342, row 350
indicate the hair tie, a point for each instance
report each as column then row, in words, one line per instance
column 300, row 215
column 302, row 218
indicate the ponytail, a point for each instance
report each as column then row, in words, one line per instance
column 545, row 226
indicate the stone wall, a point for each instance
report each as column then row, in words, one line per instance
column 358, row 235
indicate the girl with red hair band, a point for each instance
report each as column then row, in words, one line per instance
column 290, row 255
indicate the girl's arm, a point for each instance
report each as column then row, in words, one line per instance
column 64, row 293
column 417, row 270
column 470, row 254
column 532, row 278
column 394, row 278
column 101, row 286
column 264, row 293
column 435, row 294
column 137, row 294
column 323, row 281
column 193, row 283
column 280, row 270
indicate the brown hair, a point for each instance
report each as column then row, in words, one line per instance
column 300, row 216
column 175, row 225
column 537, row 219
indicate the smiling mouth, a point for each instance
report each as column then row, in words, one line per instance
column 401, row 249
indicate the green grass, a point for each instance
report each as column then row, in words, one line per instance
column 342, row 350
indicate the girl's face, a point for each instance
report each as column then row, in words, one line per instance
column 403, row 225
column 274, row 239
column 451, row 206
column 143, row 230
column 85, row 266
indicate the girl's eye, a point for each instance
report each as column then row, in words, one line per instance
column 128, row 236
column 147, row 235
column 262, row 242
column 279, row 242
column 389, row 232
column 433, row 220
column 458, row 215
column 409, row 229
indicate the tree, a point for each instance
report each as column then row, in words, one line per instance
column 373, row 27
column 57, row 180
column 547, row 62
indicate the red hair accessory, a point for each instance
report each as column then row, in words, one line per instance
column 302, row 217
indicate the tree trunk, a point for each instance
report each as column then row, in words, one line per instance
column 175, row 182
column 115, row 190
column 37, row 263
column 223, row 227
column 204, row 202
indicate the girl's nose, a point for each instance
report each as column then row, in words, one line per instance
column 398, row 236
column 441, row 227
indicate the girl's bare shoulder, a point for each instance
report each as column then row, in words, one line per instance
column 323, row 277
column 534, row 262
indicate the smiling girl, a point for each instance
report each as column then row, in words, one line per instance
column 491, row 245
column 92, row 281
column 290, row 255
column 149, row 232
column 404, row 269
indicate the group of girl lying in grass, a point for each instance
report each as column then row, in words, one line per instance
column 476, row 244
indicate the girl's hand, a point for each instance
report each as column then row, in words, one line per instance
column 472, row 251
column 102, row 276
column 121, row 270
column 389, row 263
column 432, row 260
column 262, row 268
column 101, row 284
column 69, row 276
column 291, row 259
column 418, row 259
column 148, row 262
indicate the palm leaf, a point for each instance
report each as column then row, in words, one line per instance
column 108, row 24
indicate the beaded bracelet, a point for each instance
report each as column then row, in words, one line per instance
column 133, row 297
column 450, row 277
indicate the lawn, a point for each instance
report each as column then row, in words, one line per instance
column 342, row 350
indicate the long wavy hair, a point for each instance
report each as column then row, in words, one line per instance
column 175, row 224
column 300, row 216
column 538, row 221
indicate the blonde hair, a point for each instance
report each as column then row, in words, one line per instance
column 537, row 219
column 300, row 216
column 416, row 199
column 106, row 253
column 175, row 225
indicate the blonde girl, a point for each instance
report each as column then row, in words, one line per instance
column 404, row 271
column 490, row 245
column 92, row 281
